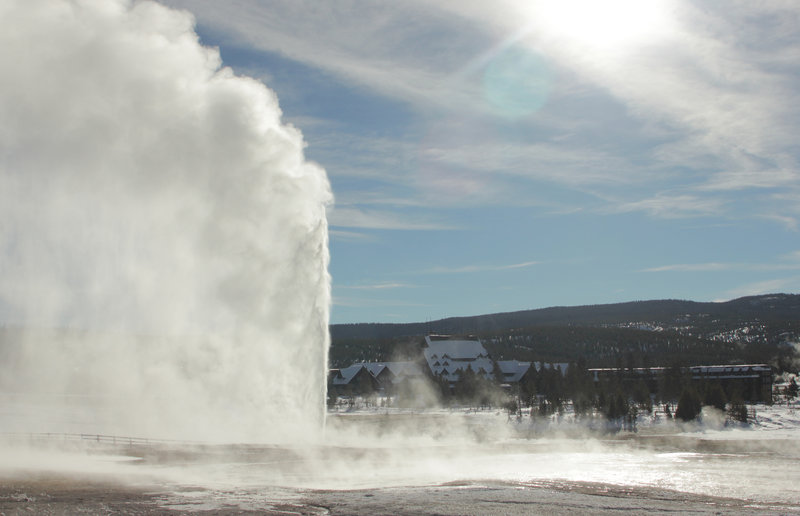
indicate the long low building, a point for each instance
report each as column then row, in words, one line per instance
column 753, row 382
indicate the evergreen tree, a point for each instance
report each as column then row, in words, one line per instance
column 738, row 411
column 641, row 395
column 715, row 397
column 673, row 382
column 466, row 387
column 792, row 389
column 689, row 405
column 527, row 388
column 580, row 387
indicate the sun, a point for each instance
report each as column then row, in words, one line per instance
column 608, row 25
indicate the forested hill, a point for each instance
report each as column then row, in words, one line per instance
column 781, row 309
column 749, row 322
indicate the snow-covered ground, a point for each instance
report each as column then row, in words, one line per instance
column 383, row 447
column 780, row 420
column 756, row 462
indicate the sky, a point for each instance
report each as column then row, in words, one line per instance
column 498, row 156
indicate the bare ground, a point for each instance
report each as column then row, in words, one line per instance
column 57, row 494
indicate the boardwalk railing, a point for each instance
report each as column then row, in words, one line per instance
column 87, row 438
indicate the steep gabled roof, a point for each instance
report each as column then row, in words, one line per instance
column 385, row 372
column 448, row 356
column 455, row 349
column 375, row 368
column 347, row 374
column 512, row 370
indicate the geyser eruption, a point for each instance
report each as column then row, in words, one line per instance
column 163, row 241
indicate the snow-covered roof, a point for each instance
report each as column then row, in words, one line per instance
column 731, row 368
column 398, row 370
column 448, row 356
column 374, row 368
column 732, row 371
column 718, row 372
column 512, row 370
column 347, row 374
column 455, row 349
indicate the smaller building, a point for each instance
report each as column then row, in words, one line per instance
column 355, row 379
column 512, row 371
column 391, row 374
column 370, row 377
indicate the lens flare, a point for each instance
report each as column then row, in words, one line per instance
column 517, row 82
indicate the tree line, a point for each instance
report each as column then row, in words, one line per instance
column 613, row 401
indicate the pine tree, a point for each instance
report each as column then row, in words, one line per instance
column 715, row 397
column 792, row 389
column 738, row 411
column 689, row 405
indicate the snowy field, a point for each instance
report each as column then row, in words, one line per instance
column 379, row 451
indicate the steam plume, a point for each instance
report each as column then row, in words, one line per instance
column 163, row 241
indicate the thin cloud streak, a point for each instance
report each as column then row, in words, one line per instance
column 351, row 302
column 790, row 284
column 350, row 236
column 711, row 267
column 673, row 206
column 376, row 286
column 352, row 217
column 694, row 267
column 479, row 268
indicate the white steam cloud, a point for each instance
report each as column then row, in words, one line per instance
column 163, row 241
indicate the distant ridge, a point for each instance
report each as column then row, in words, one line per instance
column 768, row 307
column 746, row 330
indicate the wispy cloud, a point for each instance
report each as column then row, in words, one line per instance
column 376, row 286
column 789, row 284
column 354, row 217
column 673, row 206
column 350, row 236
column 694, row 267
column 794, row 255
column 718, row 114
column 385, row 48
column 479, row 268
column 750, row 179
column 354, row 302
column 792, row 262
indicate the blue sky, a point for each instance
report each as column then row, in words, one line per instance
column 499, row 156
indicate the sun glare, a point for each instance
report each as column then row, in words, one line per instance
column 603, row 25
